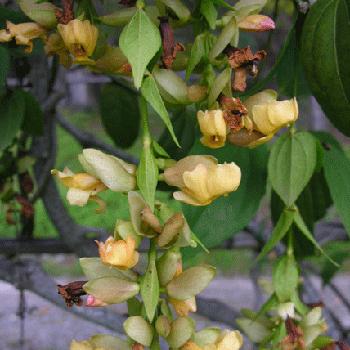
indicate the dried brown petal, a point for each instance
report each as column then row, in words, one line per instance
column 295, row 338
column 65, row 15
column 137, row 346
column 72, row 292
column 150, row 220
column 170, row 48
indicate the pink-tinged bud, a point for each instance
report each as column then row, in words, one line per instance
column 91, row 301
column 257, row 23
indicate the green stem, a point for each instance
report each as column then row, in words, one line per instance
column 290, row 249
column 146, row 137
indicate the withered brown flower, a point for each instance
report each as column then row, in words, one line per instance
column 295, row 337
column 244, row 62
column 66, row 14
column 72, row 292
column 170, row 48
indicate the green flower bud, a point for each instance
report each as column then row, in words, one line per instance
column 139, row 330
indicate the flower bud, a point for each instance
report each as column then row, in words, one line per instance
column 184, row 307
column 256, row 331
column 113, row 61
column 213, row 127
column 196, row 93
column 118, row 253
column 190, row 345
column 91, row 301
column 139, row 330
column 42, row 13
column 230, row 340
column 80, row 38
column 163, row 326
column 181, row 331
column 23, row 33
column 202, row 180
column 167, row 266
column 285, row 310
column 171, row 230
column 116, row 174
column 256, row 23
column 245, row 138
column 111, row 290
column 124, row 229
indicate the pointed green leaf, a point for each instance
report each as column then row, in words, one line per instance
column 298, row 220
column 284, row 223
column 150, row 287
column 291, row 164
column 33, row 121
column 140, row 41
column 151, row 93
column 181, row 11
column 219, row 84
column 208, row 10
column 285, row 278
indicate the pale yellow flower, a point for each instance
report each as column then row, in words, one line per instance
column 80, row 345
column 23, row 33
column 265, row 117
column 80, row 38
column 119, row 253
column 202, row 180
column 184, row 307
column 81, row 187
column 213, row 127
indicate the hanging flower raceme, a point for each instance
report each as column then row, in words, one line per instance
column 102, row 171
column 202, row 180
column 80, row 38
column 23, row 33
column 118, row 253
column 265, row 117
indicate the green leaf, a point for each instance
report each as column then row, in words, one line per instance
column 159, row 150
column 134, row 306
column 338, row 251
column 208, row 10
column 291, row 165
column 324, row 51
column 12, row 110
column 190, row 282
column 225, row 37
column 42, row 13
column 298, row 220
column 232, row 213
column 147, row 176
column 151, row 93
column 284, row 223
column 111, row 290
column 4, row 65
column 200, row 48
column 33, row 121
column 219, row 84
column 120, row 114
column 140, row 40
column 181, row 11
column 150, row 287
column 337, row 178
column 290, row 73
column 269, row 304
column 285, row 278
column 184, row 123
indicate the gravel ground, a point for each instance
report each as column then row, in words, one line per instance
column 48, row 327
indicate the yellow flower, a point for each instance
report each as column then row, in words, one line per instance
column 54, row 45
column 265, row 117
column 82, row 187
column 202, row 180
column 80, row 345
column 23, row 33
column 119, row 253
column 80, row 38
column 184, row 307
column 229, row 340
column 213, row 128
